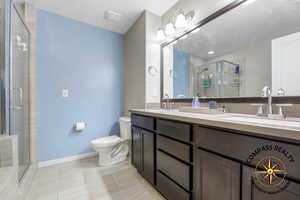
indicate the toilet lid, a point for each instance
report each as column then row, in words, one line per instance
column 106, row 141
column 125, row 119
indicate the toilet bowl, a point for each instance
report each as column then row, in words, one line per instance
column 114, row 149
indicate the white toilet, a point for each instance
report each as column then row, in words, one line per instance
column 114, row 149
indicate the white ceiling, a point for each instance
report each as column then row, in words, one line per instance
column 92, row 11
column 244, row 26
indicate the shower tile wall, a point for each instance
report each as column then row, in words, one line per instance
column 8, row 168
column 6, row 153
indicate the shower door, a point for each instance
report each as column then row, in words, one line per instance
column 19, row 88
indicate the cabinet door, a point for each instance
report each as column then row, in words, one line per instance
column 216, row 177
column 252, row 192
column 148, row 155
column 136, row 148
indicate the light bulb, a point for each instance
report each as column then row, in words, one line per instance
column 160, row 35
column 181, row 21
column 169, row 29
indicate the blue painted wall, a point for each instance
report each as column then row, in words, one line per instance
column 88, row 61
column 181, row 67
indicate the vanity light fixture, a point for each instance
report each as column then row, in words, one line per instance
column 181, row 21
column 210, row 52
column 180, row 26
column 170, row 29
column 160, row 35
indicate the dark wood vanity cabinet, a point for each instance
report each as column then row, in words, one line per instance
column 193, row 162
column 216, row 177
column 222, row 170
column 143, row 151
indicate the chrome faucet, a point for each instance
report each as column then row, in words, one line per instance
column 167, row 105
column 267, row 92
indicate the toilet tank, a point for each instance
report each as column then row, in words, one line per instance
column 125, row 128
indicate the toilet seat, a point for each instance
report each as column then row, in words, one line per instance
column 106, row 141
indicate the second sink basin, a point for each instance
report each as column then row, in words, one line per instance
column 286, row 123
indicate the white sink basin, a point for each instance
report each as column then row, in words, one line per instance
column 201, row 110
column 292, row 124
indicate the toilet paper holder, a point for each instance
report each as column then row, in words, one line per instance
column 79, row 126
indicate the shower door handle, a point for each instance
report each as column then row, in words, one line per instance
column 20, row 95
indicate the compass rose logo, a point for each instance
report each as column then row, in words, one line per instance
column 271, row 172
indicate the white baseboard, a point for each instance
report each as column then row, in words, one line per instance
column 66, row 159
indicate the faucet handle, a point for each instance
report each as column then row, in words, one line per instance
column 266, row 91
column 164, row 105
column 171, row 104
column 281, row 92
column 280, row 109
column 260, row 111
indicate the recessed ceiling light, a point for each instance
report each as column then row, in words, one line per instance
column 211, row 52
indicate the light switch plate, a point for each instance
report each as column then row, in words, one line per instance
column 65, row 93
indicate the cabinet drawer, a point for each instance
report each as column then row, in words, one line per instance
column 177, row 149
column 143, row 121
column 169, row 189
column 249, row 149
column 176, row 170
column 177, row 130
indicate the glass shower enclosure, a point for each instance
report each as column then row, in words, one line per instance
column 19, row 86
column 14, row 63
column 217, row 79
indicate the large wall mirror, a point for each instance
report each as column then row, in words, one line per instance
column 237, row 54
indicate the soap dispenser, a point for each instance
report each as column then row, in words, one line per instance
column 193, row 102
column 196, row 102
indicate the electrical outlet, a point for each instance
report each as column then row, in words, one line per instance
column 65, row 93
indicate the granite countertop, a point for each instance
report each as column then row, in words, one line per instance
column 283, row 132
column 6, row 173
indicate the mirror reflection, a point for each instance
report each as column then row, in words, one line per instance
column 238, row 54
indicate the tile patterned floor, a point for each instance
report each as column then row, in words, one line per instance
column 84, row 180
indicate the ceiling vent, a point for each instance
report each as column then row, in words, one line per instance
column 112, row 16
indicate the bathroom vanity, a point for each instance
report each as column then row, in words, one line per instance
column 206, row 157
